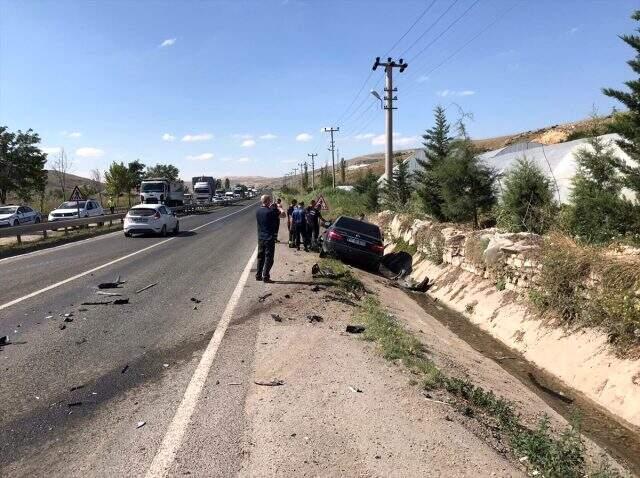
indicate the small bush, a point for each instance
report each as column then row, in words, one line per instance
column 474, row 248
column 403, row 246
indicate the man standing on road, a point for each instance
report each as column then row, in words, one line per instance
column 290, row 210
column 111, row 204
column 268, row 220
column 278, row 207
column 313, row 224
column 299, row 220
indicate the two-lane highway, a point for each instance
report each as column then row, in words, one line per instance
column 106, row 350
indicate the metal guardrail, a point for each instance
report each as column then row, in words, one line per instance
column 43, row 227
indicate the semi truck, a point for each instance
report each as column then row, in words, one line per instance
column 162, row 191
column 238, row 191
column 203, row 189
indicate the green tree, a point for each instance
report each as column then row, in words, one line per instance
column 227, row 184
column 466, row 184
column 397, row 192
column 527, row 198
column 166, row 171
column 137, row 173
column 118, row 180
column 343, row 171
column 627, row 124
column 367, row 185
column 218, row 183
column 437, row 146
column 326, row 178
column 597, row 213
column 21, row 164
column 305, row 178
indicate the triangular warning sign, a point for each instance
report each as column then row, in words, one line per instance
column 76, row 195
column 322, row 203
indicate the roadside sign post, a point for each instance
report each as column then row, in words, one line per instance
column 76, row 196
column 321, row 203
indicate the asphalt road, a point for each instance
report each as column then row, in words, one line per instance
column 73, row 392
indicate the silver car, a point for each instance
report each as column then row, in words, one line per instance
column 13, row 215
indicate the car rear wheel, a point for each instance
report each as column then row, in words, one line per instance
column 163, row 231
column 176, row 229
column 37, row 220
column 127, row 234
column 14, row 223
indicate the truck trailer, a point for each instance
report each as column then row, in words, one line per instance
column 162, row 191
column 203, row 189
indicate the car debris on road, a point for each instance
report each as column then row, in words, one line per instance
column 146, row 287
column 355, row 329
column 273, row 383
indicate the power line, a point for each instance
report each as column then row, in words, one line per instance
column 411, row 27
column 445, row 30
column 429, row 28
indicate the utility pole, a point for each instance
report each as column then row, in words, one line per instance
column 313, row 171
column 389, row 65
column 333, row 151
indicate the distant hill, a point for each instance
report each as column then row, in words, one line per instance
column 71, row 182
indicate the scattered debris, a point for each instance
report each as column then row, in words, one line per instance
column 74, row 404
column 140, row 424
column 165, row 365
column 287, row 296
column 234, row 383
column 317, row 271
column 108, row 285
column 197, row 301
column 342, row 300
column 4, row 340
column 317, row 288
column 77, row 387
column 195, row 307
column 314, row 318
column 81, row 341
column 276, row 317
column 355, row 329
column 49, row 317
column 559, row 395
column 67, row 315
column 96, row 303
column 262, row 298
column 126, row 367
column 68, row 319
column 108, row 293
column 62, row 326
column 273, row 383
column 354, row 389
column 82, row 310
column 120, row 301
column 147, row 287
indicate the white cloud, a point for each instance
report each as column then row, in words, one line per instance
column 364, row 136
column 574, row 30
column 89, row 152
column 268, row 136
column 51, row 150
column 167, row 42
column 398, row 140
column 190, row 138
column 201, row 157
column 74, row 134
column 248, row 143
column 422, row 78
column 304, row 137
column 168, row 137
column 244, row 160
column 445, row 93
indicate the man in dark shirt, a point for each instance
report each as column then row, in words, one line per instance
column 290, row 209
column 268, row 220
column 313, row 224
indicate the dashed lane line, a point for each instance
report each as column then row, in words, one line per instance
column 115, row 261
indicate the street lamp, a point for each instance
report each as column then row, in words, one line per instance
column 377, row 95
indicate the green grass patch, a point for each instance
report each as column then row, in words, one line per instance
column 400, row 245
column 549, row 453
column 344, row 279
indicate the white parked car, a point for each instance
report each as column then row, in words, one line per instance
column 70, row 210
column 150, row 218
column 12, row 215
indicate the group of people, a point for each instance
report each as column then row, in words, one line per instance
column 304, row 225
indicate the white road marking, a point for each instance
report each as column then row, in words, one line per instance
column 71, row 244
column 120, row 259
column 172, row 440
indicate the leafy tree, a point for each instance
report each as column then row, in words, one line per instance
column 167, row 171
column 397, row 192
column 437, row 146
column 343, row 171
column 627, row 124
column 218, row 183
column 597, row 212
column 136, row 171
column 326, row 178
column 227, row 184
column 21, row 164
column 61, row 166
column 367, row 185
column 526, row 199
column 118, row 180
column 465, row 183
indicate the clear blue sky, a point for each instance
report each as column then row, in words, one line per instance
column 239, row 84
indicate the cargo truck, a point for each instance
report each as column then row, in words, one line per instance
column 203, row 189
column 162, row 191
